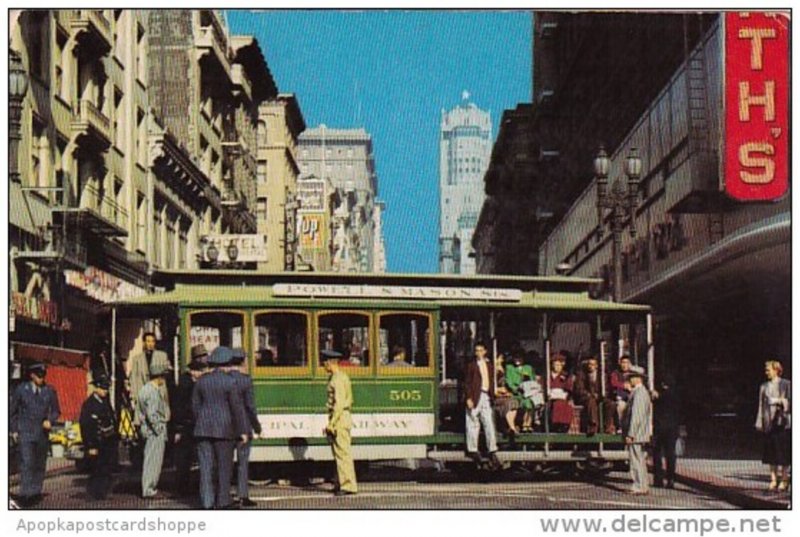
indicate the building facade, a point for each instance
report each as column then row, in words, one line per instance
column 465, row 144
column 344, row 157
column 717, row 272
column 280, row 124
column 594, row 74
column 138, row 139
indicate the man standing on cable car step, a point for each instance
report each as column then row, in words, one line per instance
column 478, row 392
column 340, row 421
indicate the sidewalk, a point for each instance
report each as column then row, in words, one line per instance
column 741, row 482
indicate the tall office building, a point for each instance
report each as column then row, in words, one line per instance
column 465, row 146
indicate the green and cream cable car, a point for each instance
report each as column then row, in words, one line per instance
column 283, row 321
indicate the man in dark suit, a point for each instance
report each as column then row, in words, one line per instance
column 589, row 393
column 99, row 434
column 34, row 410
column 244, row 385
column 666, row 426
column 478, row 390
column 219, row 421
column 183, row 422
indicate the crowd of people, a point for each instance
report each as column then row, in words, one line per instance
column 210, row 415
column 207, row 417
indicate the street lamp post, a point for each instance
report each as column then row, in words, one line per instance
column 17, row 88
column 621, row 202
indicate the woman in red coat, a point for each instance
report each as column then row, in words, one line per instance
column 560, row 395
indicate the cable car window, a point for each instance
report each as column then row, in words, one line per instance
column 279, row 339
column 215, row 328
column 405, row 340
column 348, row 334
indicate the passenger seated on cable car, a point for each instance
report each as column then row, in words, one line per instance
column 518, row 373
column 505, row 404
column 266, row 358
column 588, row 392
column 398, row 357
column 619, row 386
column 560, row 395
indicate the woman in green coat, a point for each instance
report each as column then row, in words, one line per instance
column 517, row 373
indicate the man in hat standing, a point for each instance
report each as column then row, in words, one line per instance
column 636, row 428
column 154, row 414
column 99, row 434
column 340, row 421
column 183, row 419
column 34, row 409
column 244, row 385
column 219, row 421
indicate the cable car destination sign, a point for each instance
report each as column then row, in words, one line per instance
column 395, row 291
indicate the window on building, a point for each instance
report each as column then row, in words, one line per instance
column 119, row 34
column 141, row 223
column 141, row 54
column 37, row 34
column 347, row 333
column 39, row 154
column 183, row 245
column 60, row 84
column 169, row 250
column 141, row 137
column 280, row 339
column 118, row 119
column 261, row 209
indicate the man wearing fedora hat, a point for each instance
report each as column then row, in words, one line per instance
column 219, row 421
column 153, row 409
column 340, row 421
column 34, row 409
column 636, row 428
column 99, row 434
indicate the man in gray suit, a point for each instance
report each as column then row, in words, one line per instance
column 153, row 411
column 220, row 420
column 636, row 426
column 141, row 365
column 34, row 410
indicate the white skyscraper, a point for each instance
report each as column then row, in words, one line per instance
column 465, row 147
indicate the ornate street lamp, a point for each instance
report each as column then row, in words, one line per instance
column 621, row 201
column 17, row 88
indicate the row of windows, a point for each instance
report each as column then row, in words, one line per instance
column 281, row 339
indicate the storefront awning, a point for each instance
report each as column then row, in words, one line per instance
column 29, row 352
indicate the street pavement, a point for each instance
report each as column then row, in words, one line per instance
column 385, row 486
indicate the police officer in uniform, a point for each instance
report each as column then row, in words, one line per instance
column 99, row 433
column 219, row 421
column 34, row 409
column 244, row 384
column 340, row 421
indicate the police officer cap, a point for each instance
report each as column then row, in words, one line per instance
column 101, row 381
column 330, row 355
column 38, row 368
column 238, row 356
column 220, row 356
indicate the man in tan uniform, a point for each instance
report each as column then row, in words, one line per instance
column 340, row 421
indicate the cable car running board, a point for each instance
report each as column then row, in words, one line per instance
column 514, row 456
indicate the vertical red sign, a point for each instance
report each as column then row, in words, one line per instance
column 756, row 133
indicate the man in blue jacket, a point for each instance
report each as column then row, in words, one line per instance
column 34, row 410
column 244, row 384
column 219, row 421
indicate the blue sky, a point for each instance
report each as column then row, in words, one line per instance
column 392, row 72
